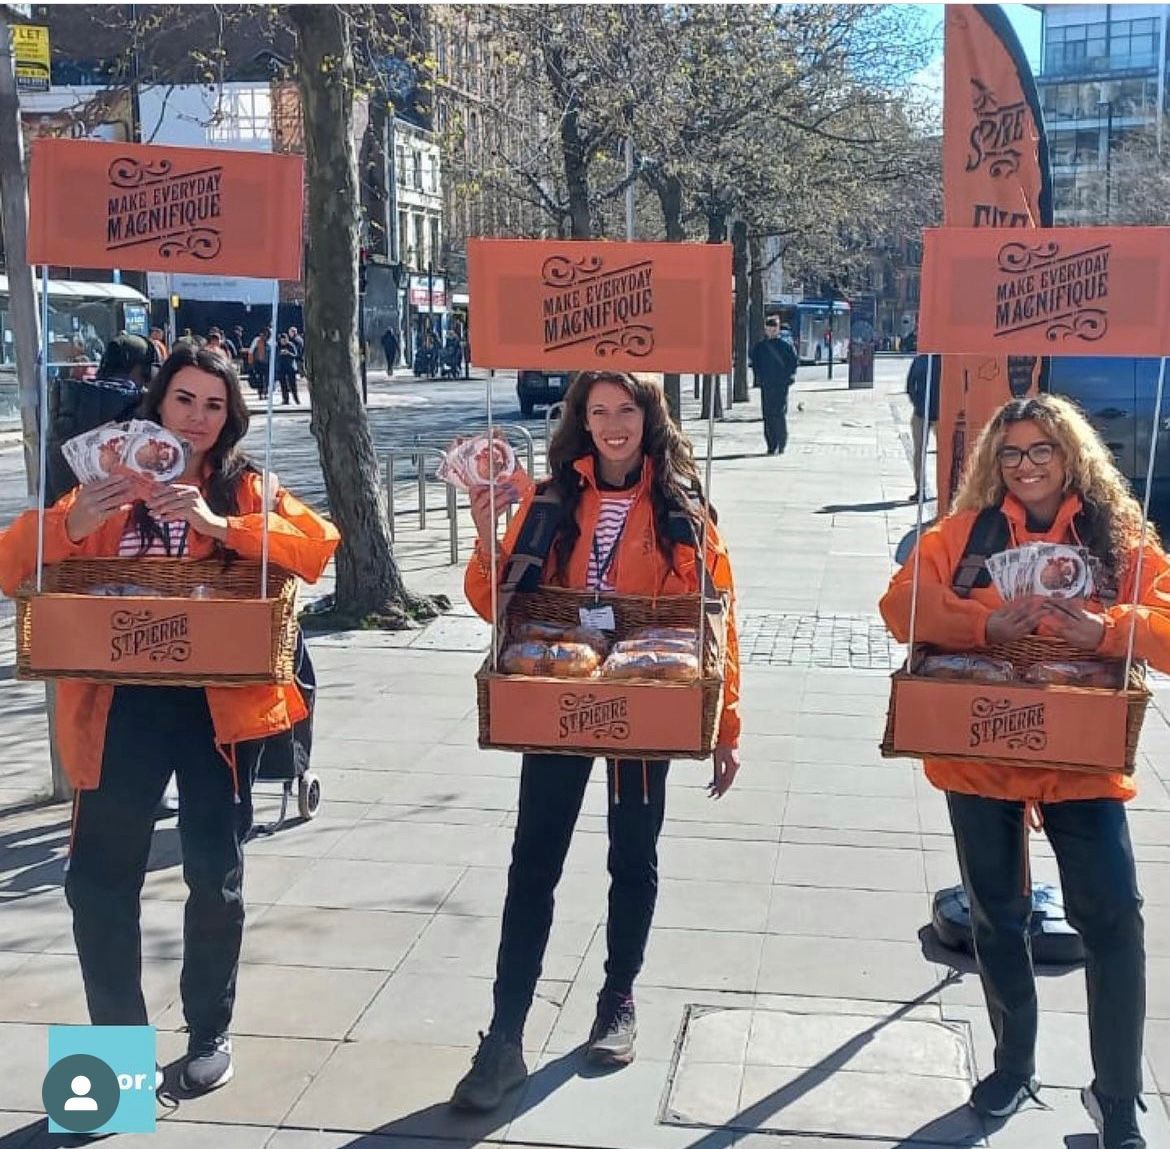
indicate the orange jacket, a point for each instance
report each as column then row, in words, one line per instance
column 298, row 540
column 639, row 568
column 946, row 620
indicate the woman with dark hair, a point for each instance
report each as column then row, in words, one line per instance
column 631, row 521
column 120, row 744
column 1039, row 473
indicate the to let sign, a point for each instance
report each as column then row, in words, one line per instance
column 1046, row 291
column 30, row 54
column 149, row 208
column 574, row 305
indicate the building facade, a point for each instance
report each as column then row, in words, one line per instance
column 1102, row 83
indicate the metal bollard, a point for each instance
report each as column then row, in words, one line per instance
column 421, row 463
column 453, row 520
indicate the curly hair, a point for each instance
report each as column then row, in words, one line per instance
column 676, row 476
column 1114, row 514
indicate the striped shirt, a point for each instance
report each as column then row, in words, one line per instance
column 176, row 531
column 611, row 521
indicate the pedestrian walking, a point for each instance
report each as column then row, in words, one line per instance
column 258, row 354
column 922, row 421
column 622, row 471
column 1039, row 473
column 119, row 744
column 774, row 362
column 390, row 348
column 298, row 342
column 286, row 370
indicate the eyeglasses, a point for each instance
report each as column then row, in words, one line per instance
column 1039, row 454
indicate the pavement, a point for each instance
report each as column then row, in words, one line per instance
column 790, row 997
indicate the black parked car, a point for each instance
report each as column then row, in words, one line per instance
column 540, row 389
column 1118, row 397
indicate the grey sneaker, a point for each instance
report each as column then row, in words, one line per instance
column 611, row 1040
column 1115, row 1118
column 496, row 1069
column 1001, row 1094
column 208, row 1064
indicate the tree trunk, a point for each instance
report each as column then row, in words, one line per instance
column 670, row 196
column 755, row 291
column 739, row 323
column 573, row 148
column 369, row 585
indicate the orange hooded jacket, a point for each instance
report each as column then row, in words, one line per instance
column 298, row 540
column 639, row 568
column 945, row 619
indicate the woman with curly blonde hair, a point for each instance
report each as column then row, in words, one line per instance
column 1039, row 473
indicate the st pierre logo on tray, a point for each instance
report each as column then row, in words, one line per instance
column 134, row 633
column 997, row 722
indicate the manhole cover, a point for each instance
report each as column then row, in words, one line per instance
column 902, row 1077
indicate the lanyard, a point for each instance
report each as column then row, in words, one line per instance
column 602, row 568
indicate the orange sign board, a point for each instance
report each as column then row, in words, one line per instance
column 148, row 208
column 1046, row 291
column 78, row 635
column 572, row 305
column 591, row 716
column 1036, row 725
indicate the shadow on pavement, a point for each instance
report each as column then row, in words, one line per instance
column 862, row 508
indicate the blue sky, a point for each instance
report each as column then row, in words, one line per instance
column 1025, row 20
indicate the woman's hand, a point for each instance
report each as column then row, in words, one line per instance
column 484, row 514
column 1015, row 620
column 726, row 764
column 185, row 502
column 1069, row 620
column 95, row 503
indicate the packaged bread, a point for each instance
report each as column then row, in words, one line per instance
column 553, row 632
column 664, row 634
column 550, row 659
column 638, row 645
column 1090, row 672
column 672, row 665
column 968, row 667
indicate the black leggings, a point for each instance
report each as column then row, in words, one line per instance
column 1099, row 881
column 552, row 787
column 152, row 731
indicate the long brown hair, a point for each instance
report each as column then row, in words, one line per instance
column 225, row 462
column 675, row 475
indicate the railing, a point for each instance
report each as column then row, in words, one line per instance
column 418, row 457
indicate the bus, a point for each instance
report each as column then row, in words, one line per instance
column 809, row 320
column 83, row 318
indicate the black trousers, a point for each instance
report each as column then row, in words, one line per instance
column 774, row 402
column 552, row 787
column 1099, row 880
column 152, row 731
column 288, row 383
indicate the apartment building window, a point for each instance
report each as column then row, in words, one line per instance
column 433, row 173
column 1070, row 48
column 400, row 165
column 419, row 239
column 1094, row 47
column 435, row 250
column 242, row 115
column 416, row 169
column 403, row 234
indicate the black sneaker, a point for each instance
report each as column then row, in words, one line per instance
column 1115, row 1118
column 496, row 1069
column 208, row 1064
column 1000, row 1094
column 611, row 1040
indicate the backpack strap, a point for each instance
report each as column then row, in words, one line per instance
column 990, row 534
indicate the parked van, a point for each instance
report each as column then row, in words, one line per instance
column 1118, row 397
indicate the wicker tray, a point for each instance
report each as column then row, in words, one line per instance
column 635, row 718
column 1084, row 708
column 232, row 639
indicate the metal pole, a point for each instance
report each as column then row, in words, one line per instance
column 421, row 460
column 362, row 347
column 921, row 506
column 268, row 440
column 430, row 317
column 1137, row 573
column 43, row 453
column 453, row 523
column 390, row 492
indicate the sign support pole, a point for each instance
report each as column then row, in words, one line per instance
column 268, row 440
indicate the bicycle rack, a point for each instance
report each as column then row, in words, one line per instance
column 418, row 456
